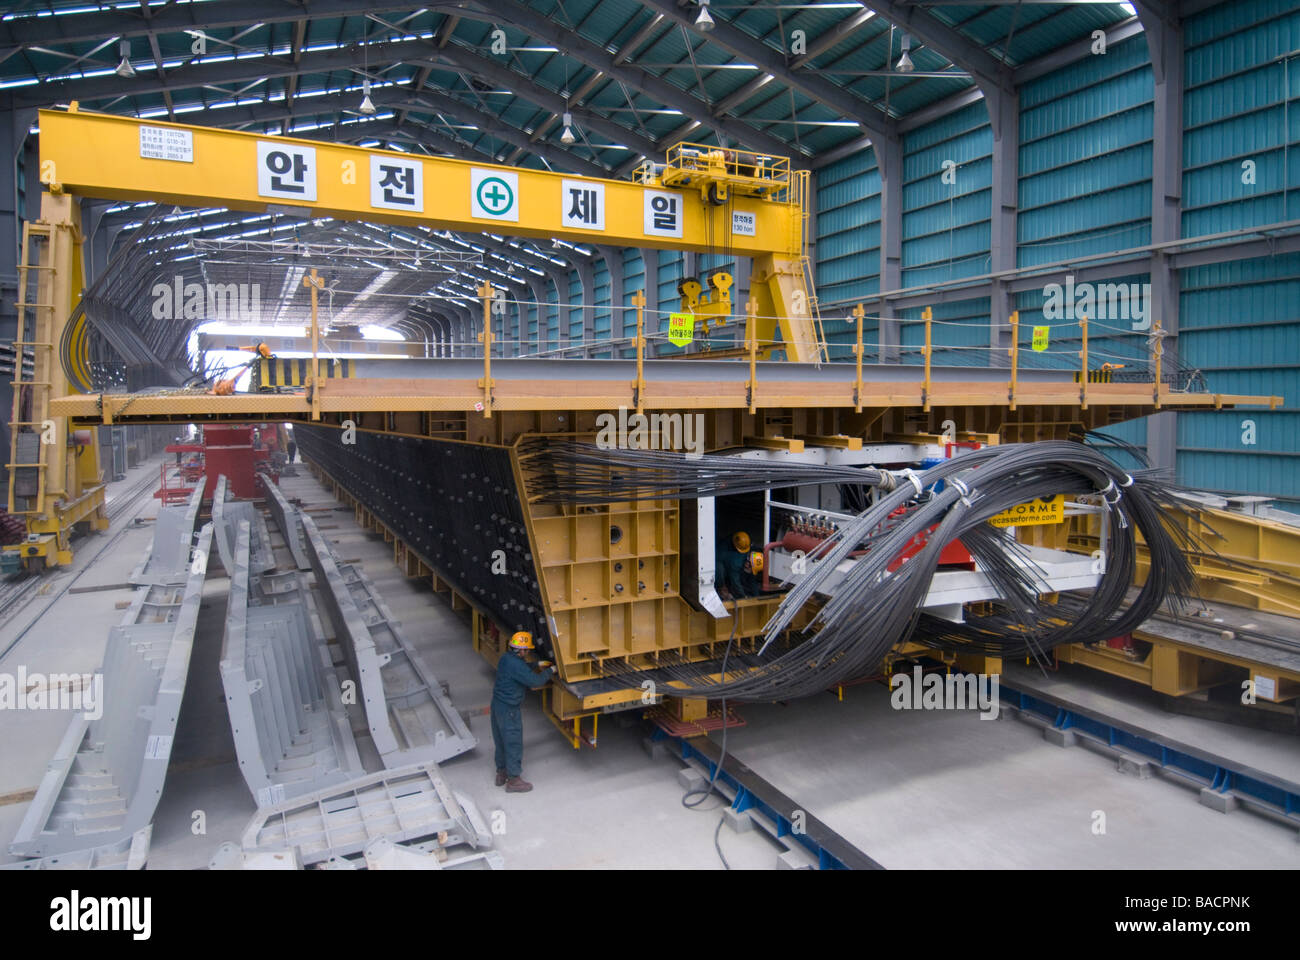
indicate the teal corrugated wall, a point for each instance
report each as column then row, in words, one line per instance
column 946, row 224
column 1240, row 322
column 848, row 229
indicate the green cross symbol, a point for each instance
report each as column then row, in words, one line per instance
column 495, row 195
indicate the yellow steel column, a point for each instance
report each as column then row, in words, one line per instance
column 779, row 290
column 316, row 283
column 70, row 488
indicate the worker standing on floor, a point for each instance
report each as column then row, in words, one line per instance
column 737, row 568
column 515, row 677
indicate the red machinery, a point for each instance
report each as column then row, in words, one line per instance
column 237, row 452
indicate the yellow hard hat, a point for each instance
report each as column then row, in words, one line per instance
column 740, row 541
column 756, row 562
column 523, row 640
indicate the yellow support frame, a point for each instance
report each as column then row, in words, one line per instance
column 70, row 480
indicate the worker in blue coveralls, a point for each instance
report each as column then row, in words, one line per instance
column 514, row 678
column 737, row 568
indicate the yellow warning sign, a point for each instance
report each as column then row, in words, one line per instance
column 1038, row 512
column 681, row 328
column 1040, row 338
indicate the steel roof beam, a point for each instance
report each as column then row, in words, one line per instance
column 987, row 70
column 534, row 93
column 543, row 27
column 193, row 75
column 763, row 56
column 176, row 18
column 425, row 102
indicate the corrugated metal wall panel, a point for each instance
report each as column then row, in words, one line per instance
column 573, row 314
column 603, row 319
column 1240, row 322
column 947, row 172
column 848, row 228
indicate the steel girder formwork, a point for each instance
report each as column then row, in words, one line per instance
column 106, row 777
column 402, row 804
column 128, row 854
column 611, row 592
column 288, row 519
column 226, row 518
column 168, row 558
column 290, row 727
column 410, row 716
column 454, row 504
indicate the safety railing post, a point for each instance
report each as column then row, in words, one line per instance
column 927, row 315
column 1083, row 371
column 859, row 311
column 638, row 388
column 751, row 344
column 315, row 283
column 1014, row 320
column 485, row 338
column 1158, row 353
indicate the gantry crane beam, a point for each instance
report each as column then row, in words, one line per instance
column 101, row 155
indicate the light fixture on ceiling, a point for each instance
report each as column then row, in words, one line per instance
column 567, row 136
column 704, row 22
column 904, row 64
column 367, row 107
column 124, row 69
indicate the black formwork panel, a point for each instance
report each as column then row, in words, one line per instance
column 452, row 504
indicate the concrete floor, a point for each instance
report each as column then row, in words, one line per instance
column 911, row 789
column 613, row 807
column 945, row 789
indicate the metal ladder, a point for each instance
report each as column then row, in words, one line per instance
column 25, row 435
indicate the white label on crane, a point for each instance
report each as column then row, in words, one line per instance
column 286, row 170
column 163, row 143
column 494, row 194
column 396, row 184
column 582, row 204
column 663, row 214
column 744, row 224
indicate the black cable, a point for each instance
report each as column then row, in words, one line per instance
column 707, row 790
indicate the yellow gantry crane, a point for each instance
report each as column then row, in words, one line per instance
column 702, row 199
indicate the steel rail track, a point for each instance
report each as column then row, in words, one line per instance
column 22, row 590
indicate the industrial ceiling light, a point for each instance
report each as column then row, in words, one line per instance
column 904, row 64
column 704, row 22
column 124, row 69
column 567, row 136
column 367, row 107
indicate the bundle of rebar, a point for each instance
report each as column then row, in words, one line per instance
column 874, row 608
